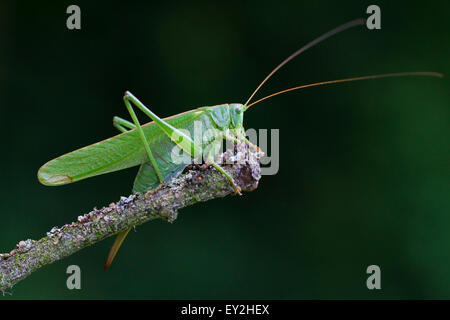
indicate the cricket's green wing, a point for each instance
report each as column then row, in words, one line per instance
column 119, row 152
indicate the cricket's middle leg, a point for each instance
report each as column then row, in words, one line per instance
column 122, row 125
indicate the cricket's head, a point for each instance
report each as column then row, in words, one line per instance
column 226, row 116
column 237, row 115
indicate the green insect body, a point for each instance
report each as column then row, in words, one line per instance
column 154, row 141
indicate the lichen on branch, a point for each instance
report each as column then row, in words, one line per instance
column 197, row 184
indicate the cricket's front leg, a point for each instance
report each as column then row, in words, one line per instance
column 210, row 153
column 240, row 138
column 251, row 145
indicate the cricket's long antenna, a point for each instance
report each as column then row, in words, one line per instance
column 330, row 33
column 399, row 74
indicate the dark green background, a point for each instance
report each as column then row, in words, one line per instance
column 364, row 174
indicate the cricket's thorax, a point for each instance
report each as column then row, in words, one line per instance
column 226, row 116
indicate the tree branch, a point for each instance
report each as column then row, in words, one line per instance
column 195, row 185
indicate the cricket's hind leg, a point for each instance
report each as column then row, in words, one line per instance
column 127, row 98
column 115, row 248
column 123, row 126
column 180, row 139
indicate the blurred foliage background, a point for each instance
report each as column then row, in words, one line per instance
column 364, row 167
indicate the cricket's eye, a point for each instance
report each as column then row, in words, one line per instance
column 238, row 109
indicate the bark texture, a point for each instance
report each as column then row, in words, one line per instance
column 197, row 184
